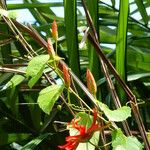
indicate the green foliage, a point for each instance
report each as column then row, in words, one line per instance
column 94, row 63
column 121, row 38
column 121, row 42
column 117, row 115
column 35, row 142
column 48, row 97
column 71, row 31
column 35, row 68
column 36, row 65
column 142, row 11
column 13, row 137
column 121, row 142
column 14, row 81
column 28, row 99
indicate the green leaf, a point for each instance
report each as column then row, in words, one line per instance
column 72, row 35
column 122, row 38
column 33, row 5
column 94, row 64
column 34, row 79
column 36, row 64
column 35, row 68
column 138, row 76
column 35, row 142
column 117, row 115
column 86, row 120
column 122, row 43
column 142, row 10
column 48, row 97
column 13, row 137
column 113, row 3
column 121, row 142
column 14, row 81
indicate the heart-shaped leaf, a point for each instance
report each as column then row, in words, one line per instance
column 117, row 115
column 48, row 97
column 121, row 142
column 35, row 68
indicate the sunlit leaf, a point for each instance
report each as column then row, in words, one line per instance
column 142, row 10
column 117, row 115
column 35, row 68
column 48, row 97
column 35, row 142
column 36, row 64
column 72, row 35
column 121, row 142
column 14, row 81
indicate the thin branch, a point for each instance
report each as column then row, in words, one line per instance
column 10, row 70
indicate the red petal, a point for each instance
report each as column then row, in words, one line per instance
column 94, row 115
column 94, row 125
column 69, row 146
column 72, row 138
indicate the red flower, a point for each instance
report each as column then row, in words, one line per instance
column 54, row 30
column 91, row 84
column 84, row 134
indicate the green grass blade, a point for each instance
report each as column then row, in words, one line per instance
column 121, row 43
column 113, row 3
column 71, row 35
column 35, row 142
column 33, row 5
column 122, row 38
column 37, row 15
column 142, row 11
column 45, row 12
column 94, row 64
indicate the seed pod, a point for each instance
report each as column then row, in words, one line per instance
column 59, row 107
column 54, row 30
column 91, row 84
